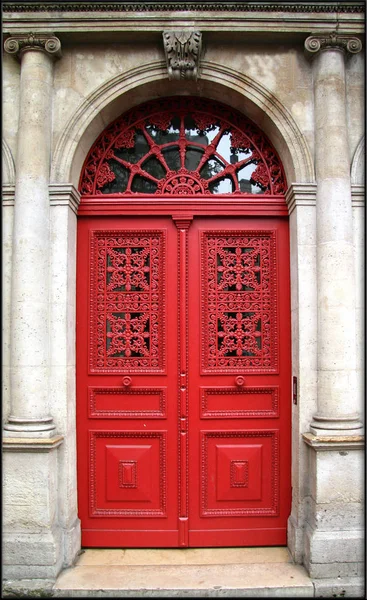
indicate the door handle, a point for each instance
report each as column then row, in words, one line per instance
column 126, row 381
column 240, row 381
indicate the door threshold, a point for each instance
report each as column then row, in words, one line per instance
column 182, row 556
column 195, row 572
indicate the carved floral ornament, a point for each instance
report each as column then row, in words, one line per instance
column 182, row 50
column 315, row 43
column 182, row 146
column 19, row 43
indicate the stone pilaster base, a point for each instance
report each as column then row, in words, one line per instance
column 332, row 554
column 32, row 555
column 334, row 531
column 33, row 541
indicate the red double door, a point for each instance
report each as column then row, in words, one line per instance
column 183, row 381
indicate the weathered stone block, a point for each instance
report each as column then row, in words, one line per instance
column 32, row 548
column 348, row 587
column 327, row 547
column 336, row 516
column 339, row 569
column 337, row 476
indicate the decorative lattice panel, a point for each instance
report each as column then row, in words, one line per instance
column 239, row 303
column 127, row 301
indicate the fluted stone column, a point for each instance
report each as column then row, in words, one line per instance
column 337, row 411
column 333, row 531
column 30, row 411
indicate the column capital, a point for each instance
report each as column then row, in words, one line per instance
column 346, row 43
column 19, row 43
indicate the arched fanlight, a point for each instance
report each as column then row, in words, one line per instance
column 182, row 146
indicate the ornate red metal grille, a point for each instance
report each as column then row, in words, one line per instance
column 239, row 301
column 127, row 311
column 182, row 146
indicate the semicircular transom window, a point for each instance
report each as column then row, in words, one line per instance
column 182, row 146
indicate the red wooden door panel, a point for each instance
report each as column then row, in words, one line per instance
column 239, row 381
column 127, row 381
column 183, row 381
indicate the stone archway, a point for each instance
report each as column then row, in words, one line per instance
column 100, row 108
column 144, row 83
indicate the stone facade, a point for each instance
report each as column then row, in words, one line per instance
column 68, row 72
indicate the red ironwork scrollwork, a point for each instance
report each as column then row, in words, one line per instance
column 182, row 184
column 202, row 120
column 127, row 301
column 238, row 268
column 182, row 146
column 125, row 140
column 128, row 269
column 128, row 335
column 239, row 334
column 239, row 301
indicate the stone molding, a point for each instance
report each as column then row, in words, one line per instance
column 300, row 194
column 26, row 427
column 296, row 7
column 358, row 196
column 77, row 125
column 9, row 165
column 333, row 442
column 347, row 43
column 8, row 194
column 182, row 50
column 64, row 195
column 13, row 444
column 357, row 170
column 19, row 43
column 60, row 195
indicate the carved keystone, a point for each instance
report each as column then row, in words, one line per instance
column 19, row 43
column 182, row 50
column 315, row 43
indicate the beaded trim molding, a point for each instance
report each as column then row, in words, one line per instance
column 297, row 7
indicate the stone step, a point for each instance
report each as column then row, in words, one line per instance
column 196, row 573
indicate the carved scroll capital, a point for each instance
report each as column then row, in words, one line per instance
column 182, row 50
column 17, row 44
column 347, row 43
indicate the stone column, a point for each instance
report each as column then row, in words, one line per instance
column 333, row 530
column 337, row 409
column 30, row 411
column 33, row 536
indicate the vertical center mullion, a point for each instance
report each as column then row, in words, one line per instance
column 183, row 225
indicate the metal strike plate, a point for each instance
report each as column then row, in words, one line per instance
column 295, row 391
